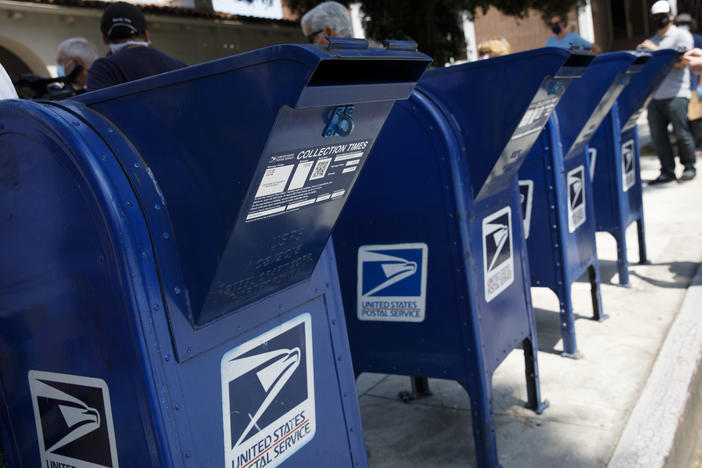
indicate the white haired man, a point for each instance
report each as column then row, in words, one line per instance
column 328, row 19
column 76, row 52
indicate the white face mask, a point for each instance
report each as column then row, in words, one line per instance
column 686, row 27
column 114, row 48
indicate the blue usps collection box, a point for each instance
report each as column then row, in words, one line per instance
column 168, row 294
column 615, row 160
column 430, row 249
column 556, row 184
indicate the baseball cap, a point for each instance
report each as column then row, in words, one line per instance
column 122, row 20
column 683, row 18
column 661, row 6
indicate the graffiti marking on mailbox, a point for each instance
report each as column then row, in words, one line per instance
column 268, row 396
column 526, row 196
column 73, row 418
column 392, row 282
column 628, row 165
column 498, row 261
column 576, row 198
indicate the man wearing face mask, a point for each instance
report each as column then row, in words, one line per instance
column 568, row 40
column 124, row 31
column 694, row 111
column 670, row 103
column 76, row 52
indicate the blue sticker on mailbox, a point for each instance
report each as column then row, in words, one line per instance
column 392, row 282
column 268, row 403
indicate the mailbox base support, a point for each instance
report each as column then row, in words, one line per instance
column 622, row 261
column 594, row 276
column 420, row 389
column 483, row 426
column 534, row 401
column 643, row 258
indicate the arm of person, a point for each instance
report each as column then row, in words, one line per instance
column 694, row 60
column 588, row 45
column 648, row 44
column 684, row 42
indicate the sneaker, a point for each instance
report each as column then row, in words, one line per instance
column 664, row 178
column 688, row 174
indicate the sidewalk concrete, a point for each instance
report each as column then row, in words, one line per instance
column 591, row 398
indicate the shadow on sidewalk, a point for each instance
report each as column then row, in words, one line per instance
column 682, row 274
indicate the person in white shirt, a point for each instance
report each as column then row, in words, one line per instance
column 7, row 89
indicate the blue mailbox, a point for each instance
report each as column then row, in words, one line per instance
column 168, row 294
column 431, row 255
column 555, row 186
column 615, row 165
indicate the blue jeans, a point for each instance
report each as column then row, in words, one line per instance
column 661, row 112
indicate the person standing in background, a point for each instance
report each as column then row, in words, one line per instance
column 72, row 53
column 494, row 47
column 568, row 40
column 328, row 19
column 7, row 89
column 694, row 110
column 124, row 31
column 670, row 102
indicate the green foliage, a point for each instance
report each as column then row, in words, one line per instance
column 435, row 24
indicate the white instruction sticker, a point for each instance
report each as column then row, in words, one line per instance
column 303, row 178
column 274, row 180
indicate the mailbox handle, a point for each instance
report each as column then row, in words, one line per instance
column 391, row 44
column 345, row 43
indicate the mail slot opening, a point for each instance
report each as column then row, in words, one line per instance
column 347, row 72
column 579, row 60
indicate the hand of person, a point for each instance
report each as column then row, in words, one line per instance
column 693, row 58
column 647, row 44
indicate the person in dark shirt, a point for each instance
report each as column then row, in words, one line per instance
column 124, row 31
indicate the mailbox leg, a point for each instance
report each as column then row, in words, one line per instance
column 531, row 366
column 622, row 261
column 570, row 346
column 483, row 423
column 643, row 258
column 420, row 389
column 594, row 274
column 565, row 303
